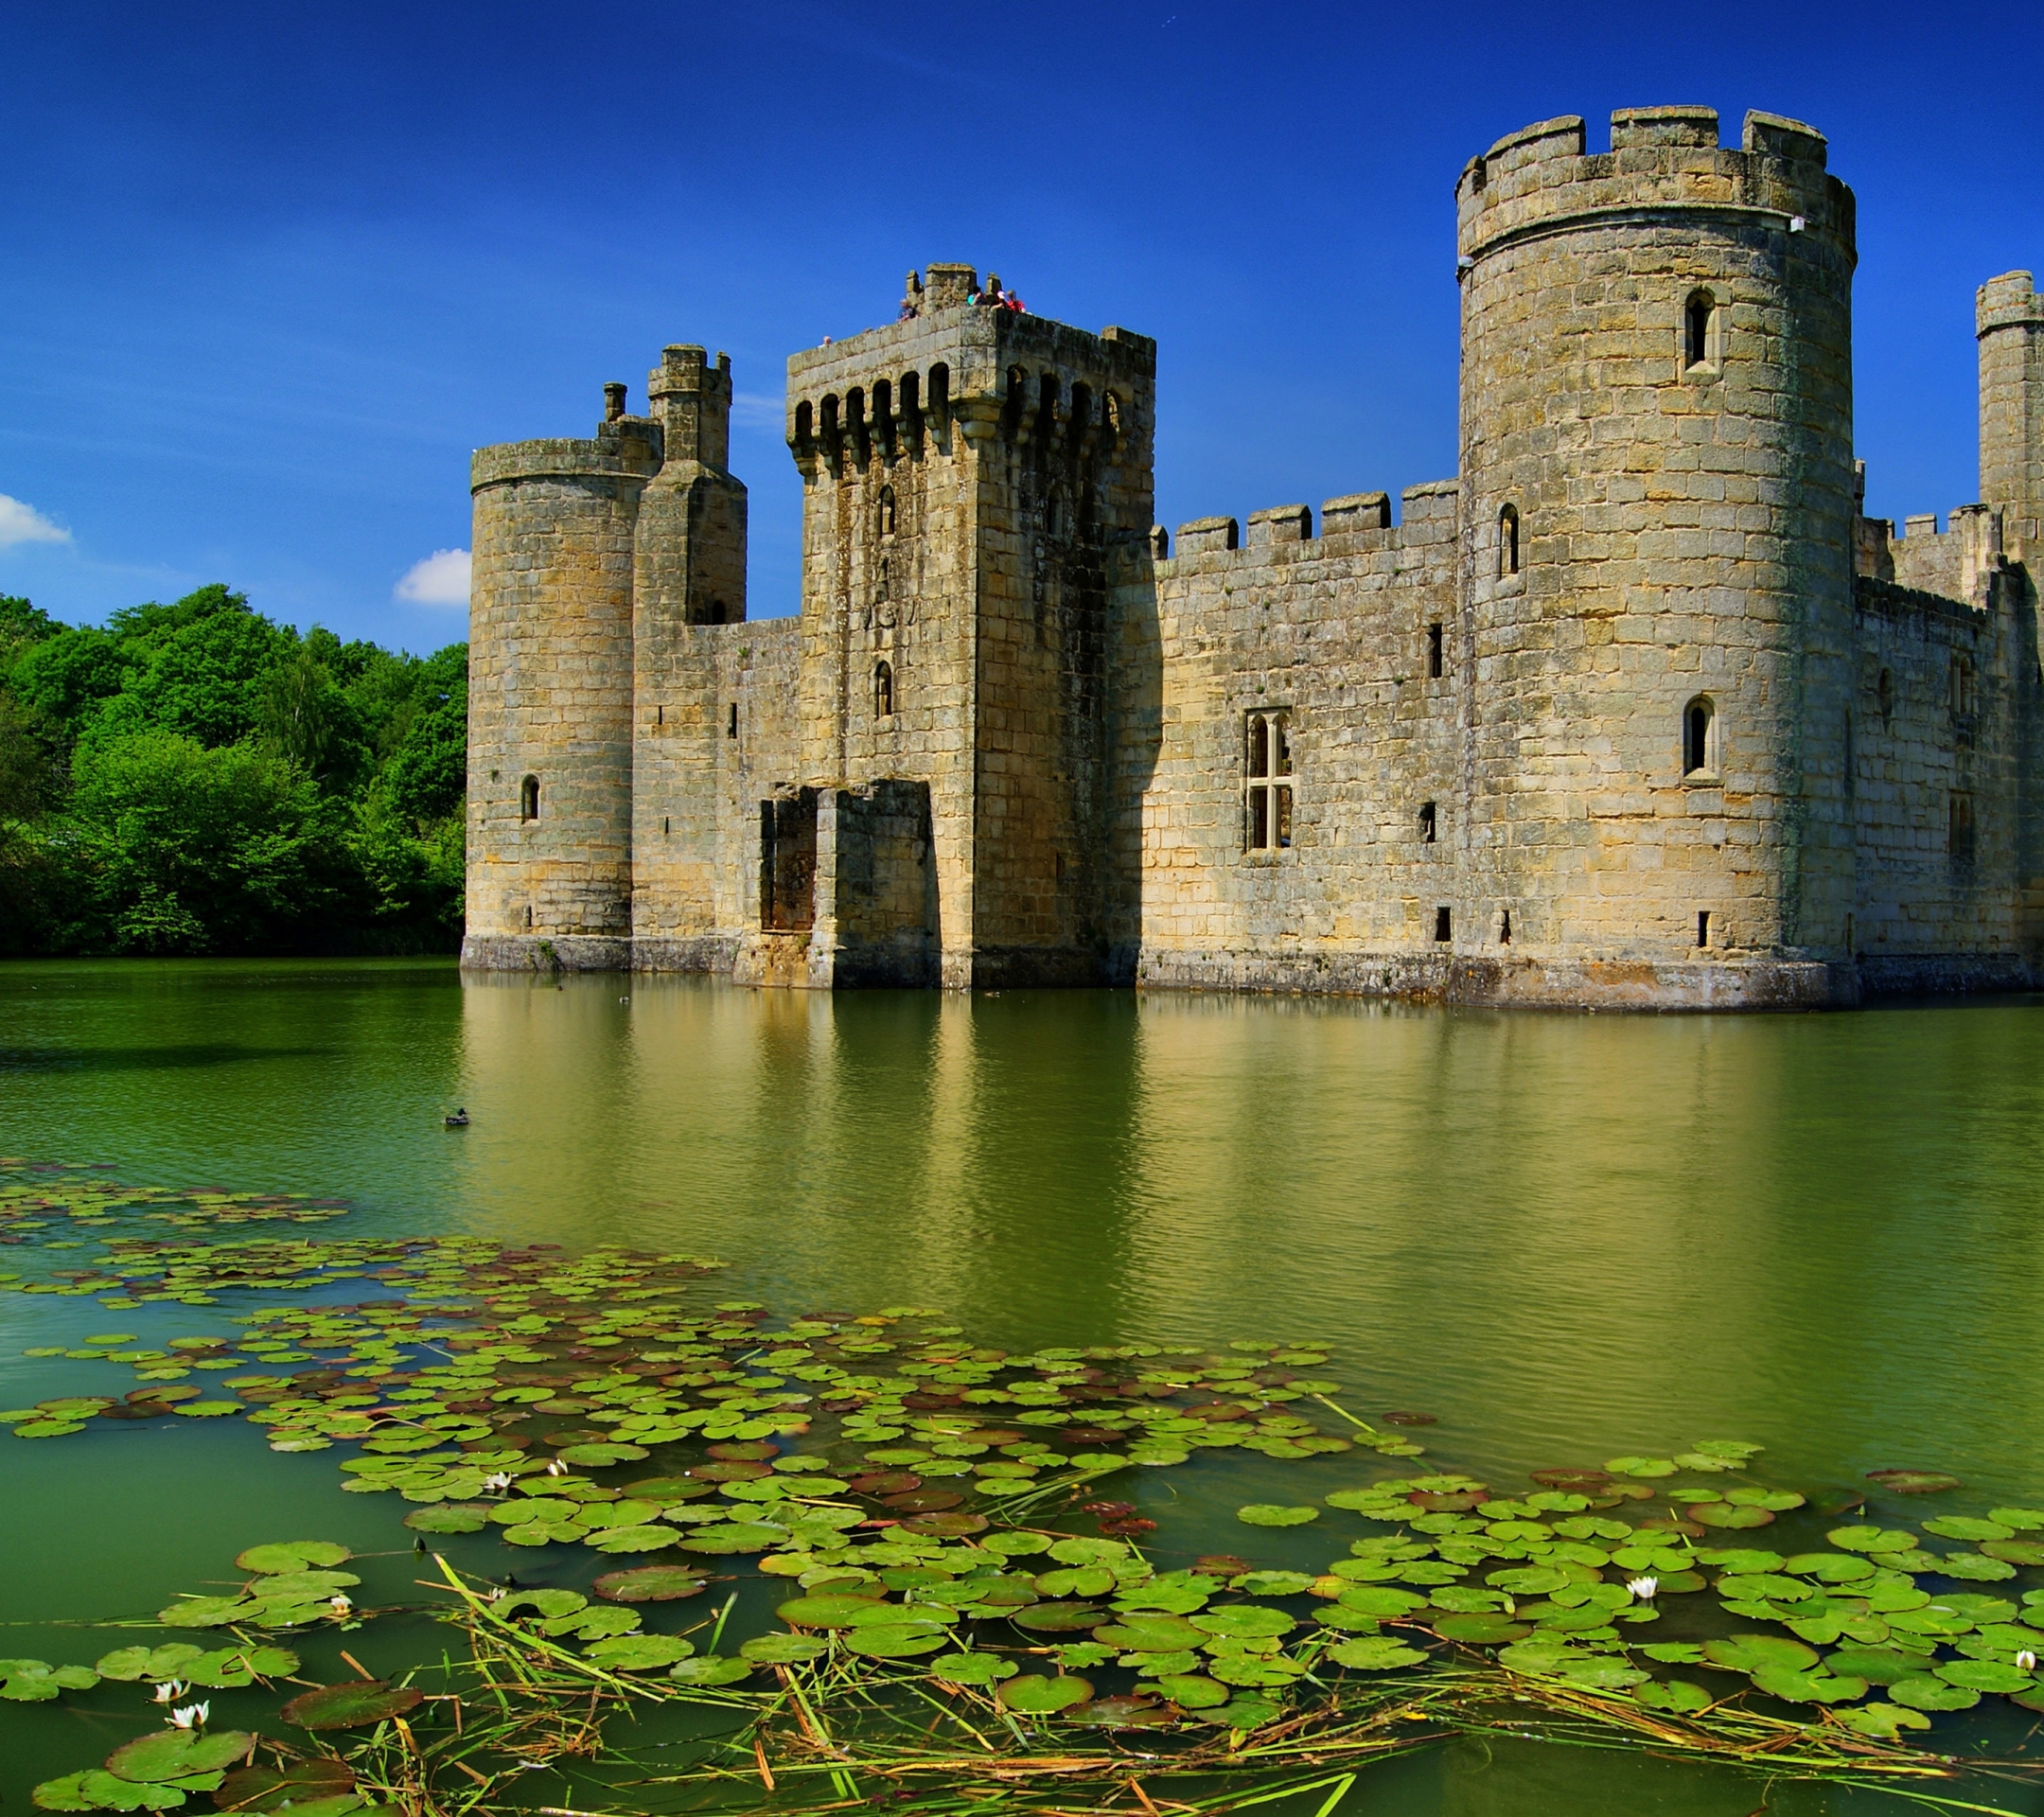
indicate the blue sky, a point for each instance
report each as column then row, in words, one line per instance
column 273, row 272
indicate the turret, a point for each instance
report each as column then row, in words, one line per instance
column 550, row 697
column 1656, row 429
column 2009, row 316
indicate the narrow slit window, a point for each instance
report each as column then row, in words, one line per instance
column 1508, row 543
column 1699, row 332
column 883, row 690
column 1959, row 835
column 1267, row 780
column 1428, row 824
column 1700, row 738
column 1443, row 924
column 1503, row 932
column 1963, row 700
column 1702, row 927
column 1434, row 651
column 731, row 727
column 529, row 799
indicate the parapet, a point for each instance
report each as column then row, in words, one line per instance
column 1660, row 158
column 623, row 448
column 2009, row 301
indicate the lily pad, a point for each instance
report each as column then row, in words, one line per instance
column 1884, row 1721
column 784, row 1650
column 205, row 1612
column 360, row 1705
column 178, row 1753
column 1243, row 1621
column 594, row 1456
column 639, row 1652
column 1987, row 1675
column 1270, row 1514
column 294, row 1554
column 449, row 1517
column 1375, row 1654
column 1809, row 1686
column 650, row 1584
column 711, row 1669
column 1729, row 1515
column 898, row 1640
column 301, row 1786
column 1924, row 1692
column 835, row 1611
column 734, row 1536
column 1760, row 1652
column 1480, row 1630
column 1913, row 1482
column 1034, row 1695
column 972, row 1668
column 1058, row 1618
column 1676, row 1694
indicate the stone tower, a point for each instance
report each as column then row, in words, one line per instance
column 1657, row 504
column 688, row 576
column 549, row 696
column 2009, row 315
column 968, row 473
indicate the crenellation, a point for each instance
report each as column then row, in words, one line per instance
column 1642, row 660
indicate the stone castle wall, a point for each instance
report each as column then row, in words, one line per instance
column 1635, row 710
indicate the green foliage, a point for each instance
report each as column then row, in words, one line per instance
column 196, row 779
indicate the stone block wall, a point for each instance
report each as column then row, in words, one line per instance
column 1333, row 632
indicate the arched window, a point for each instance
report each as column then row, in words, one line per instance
column 529, row 799
column 1699, row 332
column 1508, row 555
column 885, row 516
column 1963, row 702
column 1700, row 738
column 883, row 690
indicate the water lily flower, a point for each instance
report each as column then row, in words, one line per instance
column 171, row 1690
column 555, row 1467
column 1643, row 1588
column 339, row 1605
column 2026, row 1661
column 193, row 1716
column 498, row 1480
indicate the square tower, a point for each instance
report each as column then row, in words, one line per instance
column 969, row 472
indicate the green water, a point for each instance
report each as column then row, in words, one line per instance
column 1568, row 1237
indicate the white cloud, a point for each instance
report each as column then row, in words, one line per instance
column 21, row 522
column 441, row 580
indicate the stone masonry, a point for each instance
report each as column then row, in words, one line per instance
column 1638, row 711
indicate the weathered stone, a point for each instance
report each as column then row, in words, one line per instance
column 1638, row 711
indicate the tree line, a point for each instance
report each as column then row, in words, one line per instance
column 193, row 778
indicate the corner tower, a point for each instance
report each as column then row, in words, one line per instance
column 1656, row 436
column 550, row 699
column 967, row 474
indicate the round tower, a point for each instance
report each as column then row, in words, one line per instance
column 549, row 700
column 1656, row 460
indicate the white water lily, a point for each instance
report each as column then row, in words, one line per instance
column 498, row 1480
column 555, row 1467
column 339, row 1605
column 171, row 1690
column 2026, row 1661
column 1643, row 1588
column 192, row 1716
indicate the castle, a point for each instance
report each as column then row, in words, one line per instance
column 1638, row 710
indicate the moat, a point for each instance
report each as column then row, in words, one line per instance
column 1565, row 1236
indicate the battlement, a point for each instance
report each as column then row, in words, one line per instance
column 951, row 362
column 623, row 447
column 2009, row 301
column 1358, row 521
column 1543, row 177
